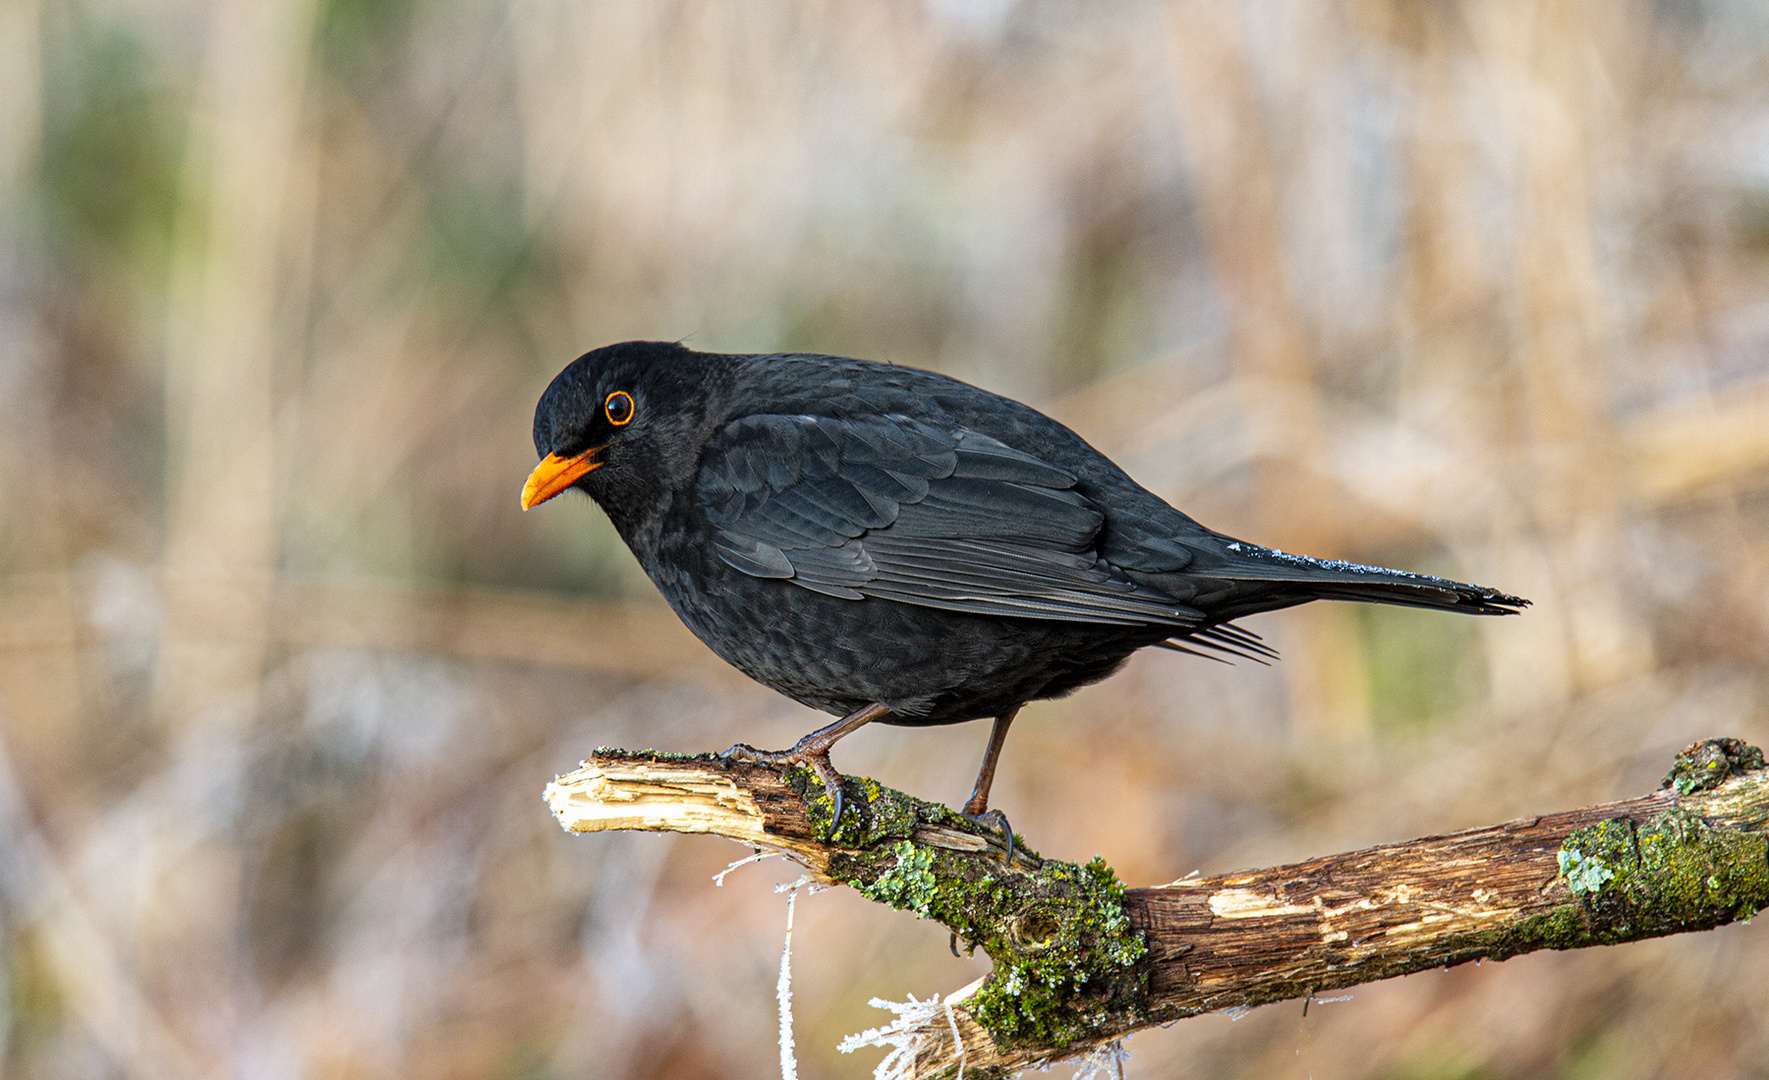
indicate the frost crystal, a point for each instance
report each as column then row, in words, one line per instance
column 1106, row 1059
column 789, row 1066
column 905, row 1036
column 917, row 1024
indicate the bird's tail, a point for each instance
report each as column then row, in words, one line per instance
column 1246, row 579
column 1262, row 579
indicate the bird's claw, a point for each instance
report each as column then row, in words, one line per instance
column 832, row 786
column 812, row 757
column 998, row 820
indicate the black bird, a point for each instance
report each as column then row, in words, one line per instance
column 890, row 544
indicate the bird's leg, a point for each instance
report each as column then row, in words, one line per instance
column 977, row 809
column 813, row 751
column 979, row 796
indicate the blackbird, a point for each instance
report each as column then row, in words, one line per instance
column 892, row 545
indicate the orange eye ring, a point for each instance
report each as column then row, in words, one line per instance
column 620, row 408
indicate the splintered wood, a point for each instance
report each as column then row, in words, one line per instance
column 650, row 793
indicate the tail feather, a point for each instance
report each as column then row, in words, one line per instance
column 1225, row 639
column 1228, row 579
column 1178, row 645
column 1231, row 639
column 1262, row 579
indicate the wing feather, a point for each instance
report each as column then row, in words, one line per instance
column 983, row 458
column 893, row 508
column 753, row 557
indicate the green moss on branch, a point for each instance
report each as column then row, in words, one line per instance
column 1693, row 866
column 1065, row 954
column 1672, row 873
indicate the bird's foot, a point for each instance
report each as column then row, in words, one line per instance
column 994, row 819
column 811, row 752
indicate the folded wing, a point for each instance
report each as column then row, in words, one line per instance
column 892, row 508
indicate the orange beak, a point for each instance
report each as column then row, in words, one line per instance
column 554, row 474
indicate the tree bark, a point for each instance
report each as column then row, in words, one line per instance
column 1080, row 960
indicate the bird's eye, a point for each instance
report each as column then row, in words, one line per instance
column 620, row 408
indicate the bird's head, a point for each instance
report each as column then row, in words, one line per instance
column 622, row 422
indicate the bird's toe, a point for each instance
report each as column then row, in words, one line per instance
column 995, row 819
column 748, row 753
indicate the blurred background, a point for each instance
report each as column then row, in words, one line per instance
column 1471, row 288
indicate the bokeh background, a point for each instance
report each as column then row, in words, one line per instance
column 1474, row 288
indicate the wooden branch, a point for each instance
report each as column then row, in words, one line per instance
column 1080, row 960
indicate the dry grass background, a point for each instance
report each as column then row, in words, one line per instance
column 1477, row 288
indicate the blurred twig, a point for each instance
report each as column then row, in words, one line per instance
column 222, row 345
column 1080, row 961
column 1678, row 449
column 639, row 640
column 1392, row 482
column 633, row 639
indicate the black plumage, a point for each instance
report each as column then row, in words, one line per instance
column 874, row 539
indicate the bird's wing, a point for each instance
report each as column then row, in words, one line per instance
column 892, row 508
